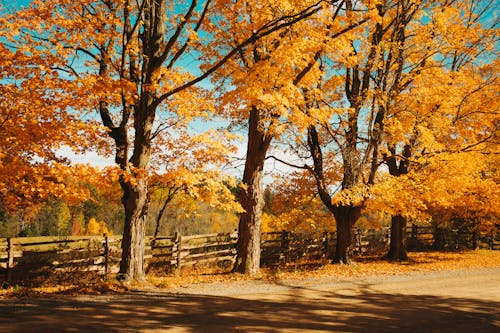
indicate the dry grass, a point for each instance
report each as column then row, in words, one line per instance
column 365, row 266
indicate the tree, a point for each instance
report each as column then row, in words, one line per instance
column 266, row 79
column 262, row 78
column 192, row 163
column 33, row 111
column 53, row 218
column 51, row 215
column 359, row 104
column 96, row 228
column 127, row 59
column 423, row 119
column 339, row 117
column 76, row 225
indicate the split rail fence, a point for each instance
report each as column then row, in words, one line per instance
column 24, row 259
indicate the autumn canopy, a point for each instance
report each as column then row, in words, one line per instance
column 373, row 107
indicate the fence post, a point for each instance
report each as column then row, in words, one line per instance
column 325, row 244
column 455, row 233
column 285, row 243
column 475, row 239
column 106, row 255
column 178, row 243
column 10, row 259
column 414, row 231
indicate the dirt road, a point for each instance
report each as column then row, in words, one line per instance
column 450, row 301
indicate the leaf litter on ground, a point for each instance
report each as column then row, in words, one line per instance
column 361, row 267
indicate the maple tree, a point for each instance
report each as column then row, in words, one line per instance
column 189, row 176
column 355, row 108
column 32, row 112
column 96, row 228
column 334, row 115
column 425, row 123
column 127, row 60
column 264, row 82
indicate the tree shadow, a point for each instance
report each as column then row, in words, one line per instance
column 357, row 308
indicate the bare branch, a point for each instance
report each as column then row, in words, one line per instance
column 303, row 167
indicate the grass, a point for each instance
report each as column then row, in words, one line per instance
column 364, row 266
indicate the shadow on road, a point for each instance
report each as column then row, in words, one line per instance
column 297, row 309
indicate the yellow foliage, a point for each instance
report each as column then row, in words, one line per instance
column 294, row 206
column 463, row 184
column 442, row 103
column 97, row 228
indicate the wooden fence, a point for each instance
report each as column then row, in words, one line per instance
column 25, row 259
column 431, row 237
column 28, row 258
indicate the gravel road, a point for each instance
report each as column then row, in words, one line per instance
column 446, row 301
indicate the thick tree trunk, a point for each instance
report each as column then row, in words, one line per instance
column 135, row 191
column 252, row 198
column 135, row 201
column 346, row 217
column 397, row 246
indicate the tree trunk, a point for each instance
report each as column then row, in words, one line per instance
column 135, row 202
column 346, row 217
column 397, row 246
column 252, row 198
column 252, row 201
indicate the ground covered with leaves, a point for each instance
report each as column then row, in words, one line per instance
column 361, row 267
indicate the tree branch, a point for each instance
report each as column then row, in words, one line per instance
column 303, row 167
column 184, row 47
column 178, row 31
column 264, row 31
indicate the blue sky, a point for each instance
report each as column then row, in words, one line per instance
column 15, row 3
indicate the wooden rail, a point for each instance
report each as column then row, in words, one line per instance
column 20, row 258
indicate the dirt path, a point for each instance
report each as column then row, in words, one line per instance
column 450, row 301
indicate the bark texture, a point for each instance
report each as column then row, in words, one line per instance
column 252, row 197
column 346, row 217
column 397, row 246
column 135, row 202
